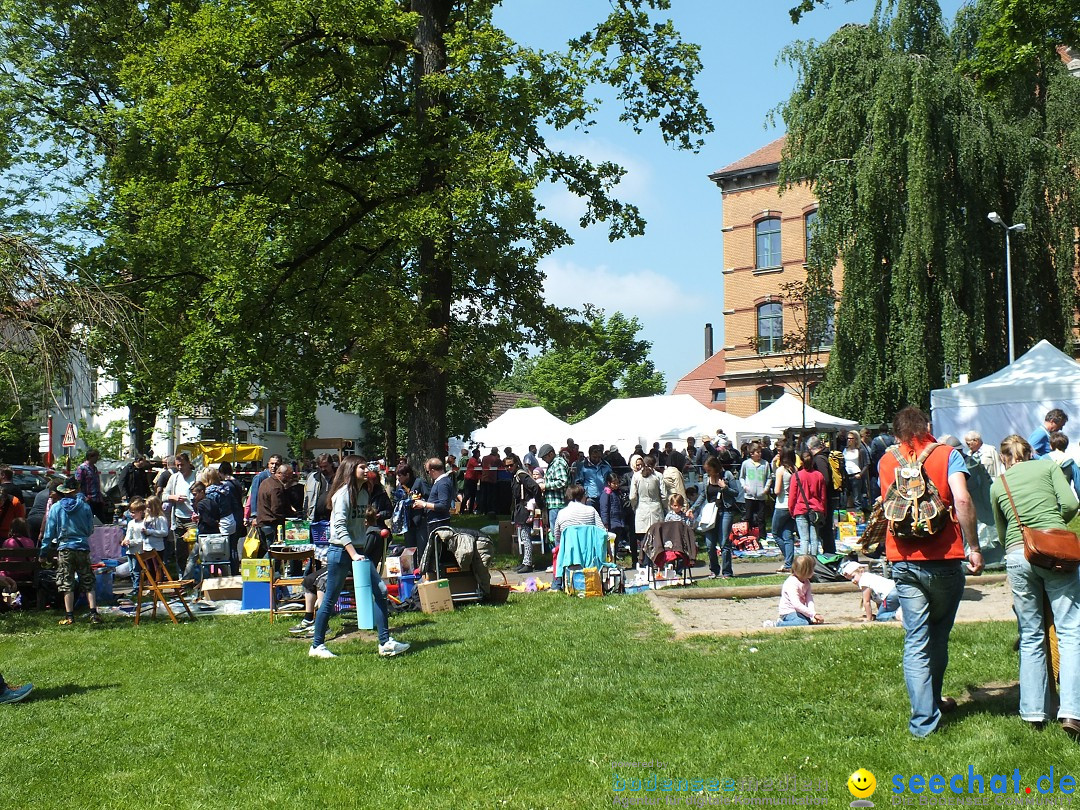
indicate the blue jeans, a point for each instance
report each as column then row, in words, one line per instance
column 889, row 605
column 338, row 567
column 793, row 619
column 1030, row 584
column 718, row 538
column 808, row 537
column 930, row 593
column 782, row 524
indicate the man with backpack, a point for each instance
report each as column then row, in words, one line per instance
column 931, row 516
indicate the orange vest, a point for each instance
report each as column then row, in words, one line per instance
column 949, row 545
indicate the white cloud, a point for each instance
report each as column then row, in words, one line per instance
column 640, row 292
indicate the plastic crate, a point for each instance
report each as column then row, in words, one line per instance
column 320, row 532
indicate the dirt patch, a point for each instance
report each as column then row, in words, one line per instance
column 983, row 601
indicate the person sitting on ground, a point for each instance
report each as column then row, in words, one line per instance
column 876, row 590
column 797, row 597
column 68, row 528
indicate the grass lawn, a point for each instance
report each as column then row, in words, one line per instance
column 525, row 705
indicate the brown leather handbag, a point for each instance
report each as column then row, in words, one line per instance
column 1055, row 549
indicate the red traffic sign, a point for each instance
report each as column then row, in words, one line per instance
column 69, row 435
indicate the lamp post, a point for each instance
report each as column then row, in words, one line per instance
column 1019, row 227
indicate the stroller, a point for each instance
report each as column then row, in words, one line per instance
column 669, row 542
column 456, row 555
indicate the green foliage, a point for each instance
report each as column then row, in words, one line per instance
column 603, row 359
column 1017, row 40
column 324, row 197
column 109, row 441
column 906, row 157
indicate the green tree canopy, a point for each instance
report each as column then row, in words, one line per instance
column 907, row 156
column 316, row 199
column 603, row 359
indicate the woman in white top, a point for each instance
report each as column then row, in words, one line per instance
column 648, row 496
column 348, row 500
column 783, row 524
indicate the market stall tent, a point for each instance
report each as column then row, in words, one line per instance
column 1012, row 400
column 519, row 427
column 789, row 412
column 644, row 420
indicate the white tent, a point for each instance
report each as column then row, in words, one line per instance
column 520, row 427
column 788, row 412
column 1012, row 400
column 644, row 420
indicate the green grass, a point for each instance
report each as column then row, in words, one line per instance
column 523, row 706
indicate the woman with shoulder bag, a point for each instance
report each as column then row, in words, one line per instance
column 806, row 503
column 1035, row 494
column 717, row 493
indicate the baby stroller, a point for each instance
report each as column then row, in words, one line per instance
column 453, row 554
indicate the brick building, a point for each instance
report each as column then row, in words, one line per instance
column 765, row 239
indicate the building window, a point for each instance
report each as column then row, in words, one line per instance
column 767, row 395
column 811, row 220
column 770, row 328
column 94, row 381
column 65, row 396
column 768, row 243
column 275, row 418
column 829, row 336
column 719, row 395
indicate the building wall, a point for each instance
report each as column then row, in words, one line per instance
column 746, row 286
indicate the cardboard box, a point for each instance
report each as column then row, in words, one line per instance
column 223, row 588
column 410, row 559
column 435, row 596
column 255, row 571
column 506, row 537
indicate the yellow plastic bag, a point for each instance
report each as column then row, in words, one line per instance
column 252, row 542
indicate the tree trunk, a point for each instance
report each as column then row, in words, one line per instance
column 390, row 436
column 427, row 412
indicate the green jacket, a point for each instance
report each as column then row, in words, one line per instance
column 1042, row 495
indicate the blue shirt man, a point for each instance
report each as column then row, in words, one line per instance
column 592, row 473
column 1040, row 438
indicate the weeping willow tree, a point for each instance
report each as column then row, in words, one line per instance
column 907, row 156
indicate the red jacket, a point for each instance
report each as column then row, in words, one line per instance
column 812, row 495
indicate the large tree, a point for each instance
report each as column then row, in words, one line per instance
column 322, row 198
column 907, row 156
column 604, row 359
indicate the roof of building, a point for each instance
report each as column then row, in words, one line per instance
column 701, row 381
column 504, row 401
column 766, row 157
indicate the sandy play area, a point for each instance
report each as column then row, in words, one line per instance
column 985, row 599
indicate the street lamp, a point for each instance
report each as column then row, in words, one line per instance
column 1019, row 227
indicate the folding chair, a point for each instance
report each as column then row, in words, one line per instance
column 157, row 580
column 284, row 580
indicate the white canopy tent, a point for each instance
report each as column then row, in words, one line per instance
column 1012, row 400
column 520, row 427
column 789, row 412
column 644, row 420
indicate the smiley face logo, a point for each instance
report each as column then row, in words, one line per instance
column 862, row 784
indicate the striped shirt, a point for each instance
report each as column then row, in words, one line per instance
column 575, row 513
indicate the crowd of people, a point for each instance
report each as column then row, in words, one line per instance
column 794, row 489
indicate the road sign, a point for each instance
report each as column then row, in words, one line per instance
column 44, row 442
column 69, row 435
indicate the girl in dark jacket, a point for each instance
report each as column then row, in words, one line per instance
column 613, row 515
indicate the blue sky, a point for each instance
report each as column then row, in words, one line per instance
column 670, row 278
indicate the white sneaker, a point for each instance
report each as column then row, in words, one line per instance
column 768, row 623
column 320, row 652
column 392, row 648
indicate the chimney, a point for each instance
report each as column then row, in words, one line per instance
column 708, row 341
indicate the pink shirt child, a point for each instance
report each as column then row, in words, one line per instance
column 796, row 596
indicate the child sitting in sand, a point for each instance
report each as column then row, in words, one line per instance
column 796, row 596
column 876, row 590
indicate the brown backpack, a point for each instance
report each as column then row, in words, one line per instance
column 913, row 506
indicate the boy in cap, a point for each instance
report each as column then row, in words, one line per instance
column 69, row 526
